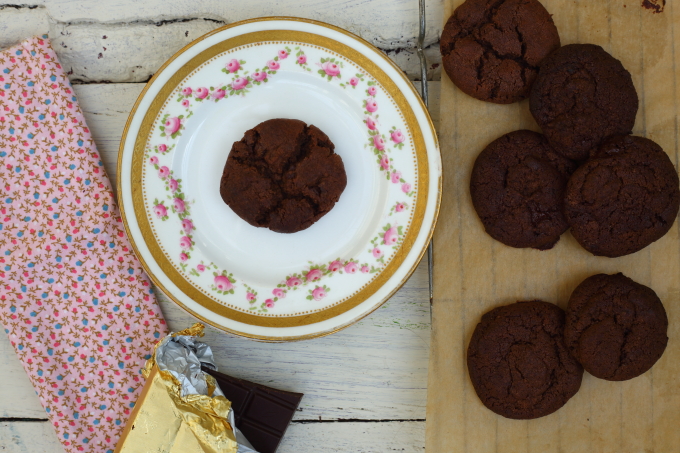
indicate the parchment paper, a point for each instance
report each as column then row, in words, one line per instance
column 474, row 273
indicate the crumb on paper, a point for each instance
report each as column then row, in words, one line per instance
column 656, row 6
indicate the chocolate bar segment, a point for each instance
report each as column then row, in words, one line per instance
column 262, row 413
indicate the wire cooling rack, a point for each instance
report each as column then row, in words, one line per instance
column 424, row 95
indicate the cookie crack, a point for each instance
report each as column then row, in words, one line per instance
column 280, row 179
column 553, row 380
column 465, row 32
column 579, row 103
column 305, row 142
column 606, row 216
column 490, row 50
column 520, row 60
column 592, row 316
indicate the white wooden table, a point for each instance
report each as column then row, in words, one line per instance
column 365, row 387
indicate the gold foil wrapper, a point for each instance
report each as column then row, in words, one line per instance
column 163, row 421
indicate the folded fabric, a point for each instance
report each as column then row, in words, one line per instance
column 74, row 300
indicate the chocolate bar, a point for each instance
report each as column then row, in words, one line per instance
column 262, row 413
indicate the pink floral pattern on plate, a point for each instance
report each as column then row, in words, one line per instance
column 301, row 58
column 354, row 81
column 330, row 68
column 238, row 80
column 240, row 83
column 176, row 200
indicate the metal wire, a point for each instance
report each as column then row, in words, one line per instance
column 424, row 95
column 421, row 52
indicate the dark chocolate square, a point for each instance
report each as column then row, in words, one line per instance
column 262, row 413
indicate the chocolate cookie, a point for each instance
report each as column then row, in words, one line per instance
column 517, row 188
column 615, row 327
column 624, row 198
column 283, row 175
column 582, row 96
column 491, row 49
column 518, row 362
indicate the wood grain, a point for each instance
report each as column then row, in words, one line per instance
column 384, row 437
column 386, row 23
column 96, row 45
column 473, row 273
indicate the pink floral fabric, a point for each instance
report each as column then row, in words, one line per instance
column 74, row 300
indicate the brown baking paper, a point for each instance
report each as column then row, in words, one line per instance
column 473, row 273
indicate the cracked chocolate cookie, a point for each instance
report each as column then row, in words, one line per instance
column 517, row 188
column 283, row 175
column 616, row 328
column 518, row 362
column 582, row 96
column 624, row 198
column 491, row 49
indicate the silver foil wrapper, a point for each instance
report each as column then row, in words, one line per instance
column 182, row 356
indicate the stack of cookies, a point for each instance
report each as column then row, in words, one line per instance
column 617, row 193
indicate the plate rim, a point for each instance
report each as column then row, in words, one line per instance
column 436, row 173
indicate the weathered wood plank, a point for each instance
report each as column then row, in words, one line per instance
column 92, row 51
column 19, row 23
column 17, row 397
column 375, row 369
column 385, row 23
column 121, row 53
column 383, row 437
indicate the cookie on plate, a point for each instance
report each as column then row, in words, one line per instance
column 616, row 328
column 624, row 198
column 582, row 96
column 283, row 175
column 518, row 362
column 517, row 188
column 491, row 49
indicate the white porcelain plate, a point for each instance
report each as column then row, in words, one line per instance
column 252, row 281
